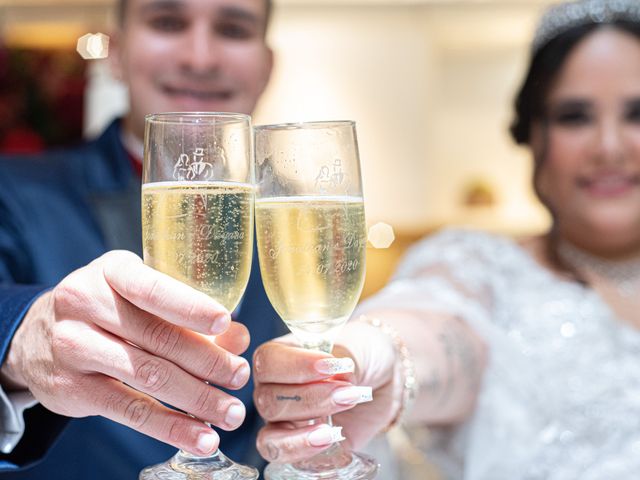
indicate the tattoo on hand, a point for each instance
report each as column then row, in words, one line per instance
column 295, row 398
column 461, row 355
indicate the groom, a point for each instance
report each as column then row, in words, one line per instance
column 94, row 344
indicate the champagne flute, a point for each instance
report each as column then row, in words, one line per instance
column 197, row 226
column 311, row 234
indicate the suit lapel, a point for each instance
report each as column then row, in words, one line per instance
column 119, row 217
column 115, row 192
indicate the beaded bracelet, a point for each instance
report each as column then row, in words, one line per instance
column 408, row 371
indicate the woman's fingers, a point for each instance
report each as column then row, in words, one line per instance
column 281, row 363
column 156, row 377
column 278, row 402
column 136, row 410
column 283, row 443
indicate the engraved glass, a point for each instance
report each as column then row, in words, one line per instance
column 197, row 226
column 311, row 234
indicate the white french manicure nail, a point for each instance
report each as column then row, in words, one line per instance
column 334, row 366
column 324, row 436
column 352, row 395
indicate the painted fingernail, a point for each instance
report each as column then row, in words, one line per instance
column 235, row 415
column 220, row 323
column 352, row 395
column 334, row 366
column 324, row 436
column 207, row 442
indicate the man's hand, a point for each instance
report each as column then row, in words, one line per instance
column 293, row 385
column 116, row 338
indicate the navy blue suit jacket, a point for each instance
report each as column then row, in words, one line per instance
column 59, row 211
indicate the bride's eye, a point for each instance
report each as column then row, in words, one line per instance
column 573, row 113
column 572, row 118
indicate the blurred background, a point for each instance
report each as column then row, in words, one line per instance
column 430, row 84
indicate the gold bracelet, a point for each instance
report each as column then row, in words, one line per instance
column 407, row 368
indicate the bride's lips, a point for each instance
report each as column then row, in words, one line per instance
column 609, row 184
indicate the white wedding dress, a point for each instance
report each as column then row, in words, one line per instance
column 560, row 398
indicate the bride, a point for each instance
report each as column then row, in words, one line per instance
column 521, row 358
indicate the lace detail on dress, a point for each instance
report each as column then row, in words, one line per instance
column 561, row 394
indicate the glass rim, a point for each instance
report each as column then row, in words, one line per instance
column 180, row 118
column 306, row 125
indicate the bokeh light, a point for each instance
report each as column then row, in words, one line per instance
column 93, row 46
column 381, row 235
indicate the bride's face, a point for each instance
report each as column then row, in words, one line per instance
column 590, row 175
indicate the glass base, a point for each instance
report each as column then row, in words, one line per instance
column 183, row 466
column 353, row 466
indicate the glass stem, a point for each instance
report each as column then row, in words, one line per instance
column 326, row 346
column 336, row 456
column 323, row 345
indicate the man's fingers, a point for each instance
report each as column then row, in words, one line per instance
column 129, row 407
column 281, row 443
column 200, row 355
column 276, row 362
column 235, row 339
column 159, row 378
column 163, row 295
column 277, row 402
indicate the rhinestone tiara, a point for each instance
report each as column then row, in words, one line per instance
column 562, row 17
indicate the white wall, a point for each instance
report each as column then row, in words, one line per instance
column 482, row 53
column 430, row 87
column 371, row 65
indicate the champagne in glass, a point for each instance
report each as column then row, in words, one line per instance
column 200, row 234
column 312, row 260
column 197, row 226
column 311, row 234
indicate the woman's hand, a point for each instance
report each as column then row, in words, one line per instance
column 117, row 338
column 294, row 385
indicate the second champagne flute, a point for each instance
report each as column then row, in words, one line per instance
column 197, row 226
column 311, row 233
